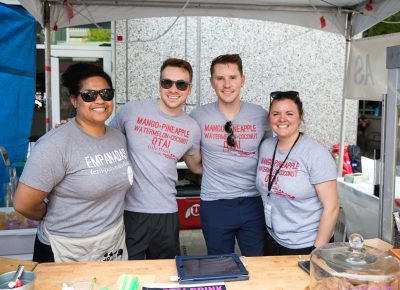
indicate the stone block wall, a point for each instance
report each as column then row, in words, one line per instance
column 275, row 57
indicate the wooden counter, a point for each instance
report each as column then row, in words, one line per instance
column 8, row 265
column 265, row 273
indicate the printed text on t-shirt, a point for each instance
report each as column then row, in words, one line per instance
column 162, row 135
column 107, row 162
column 244, row 131
column 241, row 132
column 288, row 169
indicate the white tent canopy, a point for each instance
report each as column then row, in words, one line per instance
column 328, row 15
column 345, row 17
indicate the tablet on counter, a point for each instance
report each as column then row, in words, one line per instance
column 212, row 268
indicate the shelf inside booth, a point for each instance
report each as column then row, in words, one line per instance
column 17, row 233
column 188, row 190
column 12, row 220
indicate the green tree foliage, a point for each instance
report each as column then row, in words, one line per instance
column 97, row 34
column 385, row 27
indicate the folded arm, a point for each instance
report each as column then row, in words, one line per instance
column 30, row 202
column 193, row 162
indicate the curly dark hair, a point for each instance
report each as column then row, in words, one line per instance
column 75, row 74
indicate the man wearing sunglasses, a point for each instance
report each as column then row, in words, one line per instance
column 158, row 133
column 232, row 130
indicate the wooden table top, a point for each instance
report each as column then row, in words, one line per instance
column 8, row 265
column 265, row 273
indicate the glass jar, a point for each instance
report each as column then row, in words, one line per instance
column 353, row 266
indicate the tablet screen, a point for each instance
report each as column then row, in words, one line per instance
column 211, row 266
column 197, row 269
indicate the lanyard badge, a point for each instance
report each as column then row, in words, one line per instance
column 271, row 179
column 271, row 169
column 267, row 214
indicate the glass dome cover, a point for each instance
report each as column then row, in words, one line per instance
column 353, row 265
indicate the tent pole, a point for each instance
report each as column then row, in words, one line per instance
column 198, row 60
column 47, row 63
column 344, row 92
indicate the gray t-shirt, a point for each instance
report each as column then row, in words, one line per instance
column 156, row 141
column 296, row 209
column 230, row 172
column 87, row 178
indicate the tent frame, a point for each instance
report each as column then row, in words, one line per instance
column 249, row 7
column 47, row 63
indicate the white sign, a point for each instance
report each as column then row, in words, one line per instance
column 367, row 75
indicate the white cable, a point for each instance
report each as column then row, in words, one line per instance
column 279, row 44
column 166, row 31
column 173, row 278
column 391, row 22
column 90, row 18
column 245, row 262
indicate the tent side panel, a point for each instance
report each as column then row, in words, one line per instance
column 17, row 81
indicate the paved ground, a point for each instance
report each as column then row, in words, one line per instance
column 193, row 244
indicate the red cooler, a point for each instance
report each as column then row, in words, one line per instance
column 188, row 198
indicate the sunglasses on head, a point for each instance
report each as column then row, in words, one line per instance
column 180, row 84
column 230, row 140
column 283, row 95
column 91, row 95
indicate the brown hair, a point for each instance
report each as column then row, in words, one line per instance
column 176, row 62
column 225, row 59
column 287, row 95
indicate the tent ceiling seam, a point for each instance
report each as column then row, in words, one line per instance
column 201, row 5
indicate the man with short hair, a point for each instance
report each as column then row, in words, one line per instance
column 159, row 134
column 231, row 132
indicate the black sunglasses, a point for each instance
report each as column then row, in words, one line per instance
column 230, row 140
column 91, row 95
column 283, row 95
column 180, row 84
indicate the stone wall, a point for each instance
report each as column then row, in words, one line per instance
column 275, row 57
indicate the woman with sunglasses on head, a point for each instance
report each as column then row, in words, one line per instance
column 297, row 180
column 76, row 178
